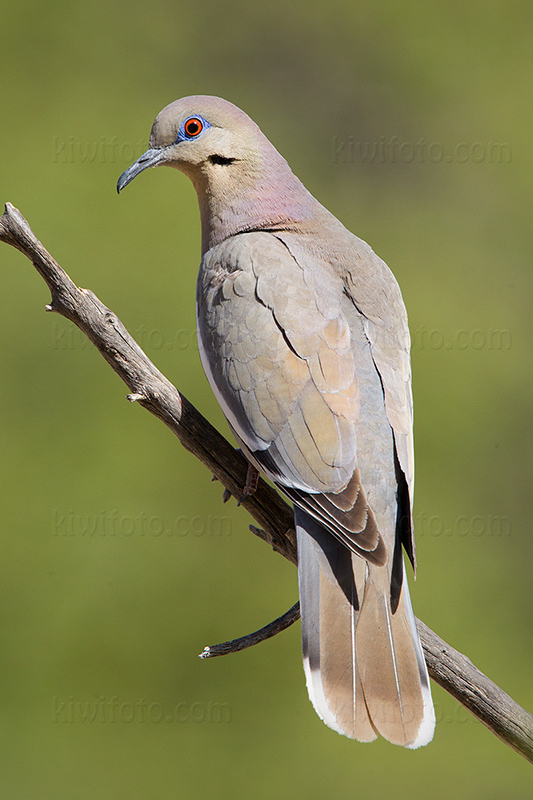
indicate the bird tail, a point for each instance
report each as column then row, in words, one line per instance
column 365, row 669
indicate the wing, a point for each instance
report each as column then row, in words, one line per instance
column 387, row 330
column 286, row 352
column 375, row 294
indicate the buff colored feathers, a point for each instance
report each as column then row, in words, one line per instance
column 304, row 339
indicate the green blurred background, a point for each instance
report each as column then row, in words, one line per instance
column 119, row 562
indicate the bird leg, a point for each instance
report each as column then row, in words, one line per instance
column 250, row 486
column 252, row 479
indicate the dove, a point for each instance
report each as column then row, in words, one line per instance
column 304, row 339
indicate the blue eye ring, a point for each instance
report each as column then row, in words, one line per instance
column 192, row 127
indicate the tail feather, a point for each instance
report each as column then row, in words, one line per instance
column 365, row 670
column 329, row 617
column 427, row 726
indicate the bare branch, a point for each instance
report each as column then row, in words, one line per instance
column 447, row 666
column 453, row 671
column 490, row 704
column 279, row 624
column 149, row 387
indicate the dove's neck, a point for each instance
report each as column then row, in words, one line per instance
column 247, row 196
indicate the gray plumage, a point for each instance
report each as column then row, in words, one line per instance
column 304, row 339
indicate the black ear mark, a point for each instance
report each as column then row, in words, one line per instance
column 216, row 159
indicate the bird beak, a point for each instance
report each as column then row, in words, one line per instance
column 152, row 158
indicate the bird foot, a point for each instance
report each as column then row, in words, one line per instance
column 252, row 479
column 226, row 496
column 250, row 486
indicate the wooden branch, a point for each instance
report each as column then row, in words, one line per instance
column 490, row 704
column 279, row 624
column 149, row 387
column 452, row 670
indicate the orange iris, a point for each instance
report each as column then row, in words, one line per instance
column 193, row 126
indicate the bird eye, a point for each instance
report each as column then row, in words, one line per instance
column 193, row 127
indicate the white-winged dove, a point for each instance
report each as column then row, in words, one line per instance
column 304, row 339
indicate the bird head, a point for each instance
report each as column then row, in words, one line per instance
column 241, row 180
column 207, row 138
